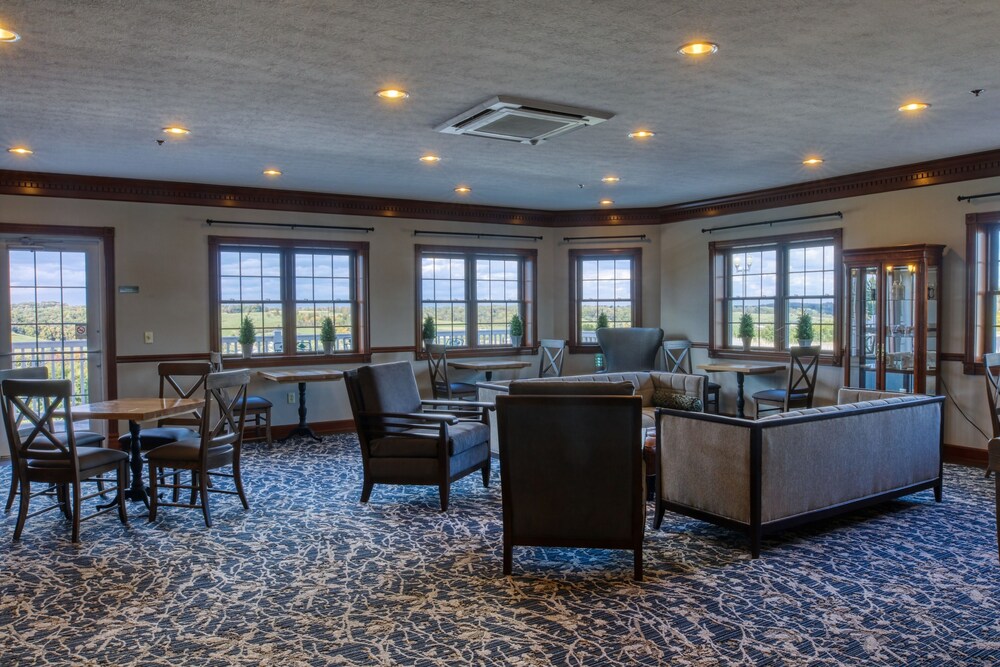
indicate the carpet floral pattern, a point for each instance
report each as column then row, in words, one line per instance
column 310, row 576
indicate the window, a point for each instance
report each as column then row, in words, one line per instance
column 287, row 288
column 472, row 294
column 982, row 303
column 604, row 282
column 775, row 280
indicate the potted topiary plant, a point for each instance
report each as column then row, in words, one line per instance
column 602, row 321
column 429, row 330
column 248, row 336
column 516, row 330
column 805, row 329
column 326, row 335
column 746, row 330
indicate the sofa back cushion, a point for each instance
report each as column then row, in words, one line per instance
column 559, row 388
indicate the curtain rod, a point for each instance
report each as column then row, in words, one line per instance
column 288, row 225
column 971, row 197
column 479, row 235
column 628, row 237
column 835, row 214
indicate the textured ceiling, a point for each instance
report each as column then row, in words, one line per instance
column 290, row 84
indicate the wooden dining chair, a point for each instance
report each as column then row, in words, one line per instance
column 55, row 459
column 677, row 359
column 177, row 380
column 441, row 386
column 798, row 392
column 83, row 438
column 258, row 407
column 552, row 353
column 217, row 446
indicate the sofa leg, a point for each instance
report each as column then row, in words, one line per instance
column 508, row 558
column 486, row 472
column 938, row 491
column 443, row 492
column 637, row 563
column 755, row 543
column 366, row 490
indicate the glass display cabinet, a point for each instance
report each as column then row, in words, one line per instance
column 893, row 323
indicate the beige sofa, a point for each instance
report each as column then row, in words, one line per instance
column 646, row 384
column 768, row 475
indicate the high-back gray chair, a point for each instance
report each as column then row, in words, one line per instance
column 798, row 392
column 571, row 467
column 83, row 438
column 403, row 441
column 551, row 353
column 677, row 359
column 629, row 348
column 55, row 459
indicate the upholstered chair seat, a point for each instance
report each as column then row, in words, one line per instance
column 150, row 438
column 89, row 457
column 461, row 437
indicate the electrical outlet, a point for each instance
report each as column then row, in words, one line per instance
column 291, row 397
column 148, row 338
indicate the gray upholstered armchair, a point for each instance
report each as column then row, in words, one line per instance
column 403, row 443
column 571, row 467
column 630, row 348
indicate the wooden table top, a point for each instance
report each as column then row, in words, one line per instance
column 489, row 365
column 308, row 375
column 137, row 409
column 742, row 367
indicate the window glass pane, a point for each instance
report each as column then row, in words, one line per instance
column 229, row 288
column 341, row 289
column 270, row 264
column 303, row 264
column 323, row 289
column 303, row 289
column 588, row 270
column 250, row 289
column 74, row 269
column 323, row 266
column 271, row 289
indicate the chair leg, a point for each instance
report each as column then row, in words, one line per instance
column 203, row 487
column 122, row 474
column 637, row 563
column 77, row 511
column 508, row 557
column 486, row 471
column 22, row 512
column 366, row 490
column 154, row 496
column 660, row 509
column 443, row 490
column 238, row 480
column 267, row 427
column 62, row 497
column 13, row 490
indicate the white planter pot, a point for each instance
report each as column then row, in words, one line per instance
column 516, row 340
column 247, row 350
column 746, row 344
column 327, row 346
column 805, row 342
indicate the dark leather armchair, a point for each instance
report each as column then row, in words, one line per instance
column 404, row 441
column 629, row 348
column 571, row 467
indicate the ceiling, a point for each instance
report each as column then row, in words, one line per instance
column 291, row 85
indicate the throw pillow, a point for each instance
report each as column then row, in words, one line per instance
column 665, row 398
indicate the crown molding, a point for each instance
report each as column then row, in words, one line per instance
column 933, row 172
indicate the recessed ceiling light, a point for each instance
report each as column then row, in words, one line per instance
column 915, row 106
column 20, row 150
column 177, row 130
column 393, row 94
column 430, row 158
column 698, row 49
column 610, row 179
column 272, row 172
column 8, row 35
column 641, row 134
column 607, row 202
column 813, row 161
column 462, row 189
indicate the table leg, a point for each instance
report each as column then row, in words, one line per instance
column 136, row 490
column 739, row 395
column 302, row 428
column 489, row 375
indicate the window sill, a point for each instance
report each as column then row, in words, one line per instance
column 585, row 349
column 469, row 353
column 825, row 359
column 271, row 361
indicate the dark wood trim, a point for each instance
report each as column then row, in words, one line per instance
column 315, row 359
column 977, row 229
column 920, row 174
column 953, row 169
column 389, row 349
column 107, row 238
column 952, row 356
column 969, row 456
column 157, row 358
column 321, row 428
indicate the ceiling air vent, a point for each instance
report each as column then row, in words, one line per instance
column 520, row 120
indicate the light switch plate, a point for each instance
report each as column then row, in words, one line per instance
column 148, row 338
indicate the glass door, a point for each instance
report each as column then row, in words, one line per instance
column 53, row 301
column 900, row 327
column 932, row 330
column 862, row 363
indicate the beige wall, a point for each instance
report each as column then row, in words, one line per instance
column 162, row 249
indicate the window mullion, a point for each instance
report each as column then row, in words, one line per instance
column 289, row 336
column 780, row 297
column 471, row 310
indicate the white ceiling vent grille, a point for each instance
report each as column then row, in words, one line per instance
column 520, row 120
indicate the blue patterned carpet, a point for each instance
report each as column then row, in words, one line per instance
column 309, row 576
